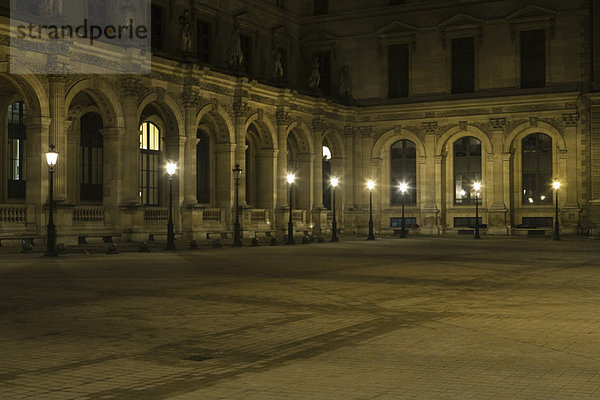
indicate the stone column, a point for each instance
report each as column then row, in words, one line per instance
column 497, row 211
column 58, row 135
column 283, row 122
column 241, row 113
column 189, row 165
column 348, row 173
column 37, row 129
column 569, row 196
column 317, row 129
column 225, row 189
column 130, row 152
column 432, row 184
column 175, row 152
column 112, row 174
column 73, row 164
column 305, row 181
column 267, row 182
column 380, row 200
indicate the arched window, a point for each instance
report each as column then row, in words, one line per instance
column 150, row 151
column 403, row 168
column 326, row 177
column 467, row 169
column 537, row 169
column 203, row 168
column 91, row 157
column 16, row 151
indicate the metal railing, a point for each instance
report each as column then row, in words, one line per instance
column 88, row 214
column 13, row 213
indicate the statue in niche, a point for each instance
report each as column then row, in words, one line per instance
column 277, row 64
column 51, row 8
column 185, row 32
column 345, row 83
column 315, row 75
column 236, row 56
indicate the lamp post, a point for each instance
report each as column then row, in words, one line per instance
column 334, row 183
column 403, row 189
column 51, row 159
column 556, row 186
column 477, row 187
column 291, row 178
column 371, row 186
column 237, row 227
column 171, row 169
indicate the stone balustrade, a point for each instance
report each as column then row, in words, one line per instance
column 13, row 213
column 212, row 214
column 88, row 214
column 156, row 214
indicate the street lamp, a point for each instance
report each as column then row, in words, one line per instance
column 171, row 170
column 477, row 187
column 291, row 178
column 403, row 189
column 334, row 183
column 51, row 159
column 237, row 228
column 556, row 186
column 371, row 186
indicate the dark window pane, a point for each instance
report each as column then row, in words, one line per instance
column 16, row 186
column 91, row 157
column 204, row 43
column 321, row 7
column 467, row 169
column 150, row 152
column 326, row 184
column 533, row 59
column 246, row 45
column 537, row 169
column 463, row 65
column 403, row 168
column 203, row 168
column 157, row 27
column 398, row 70
column 324, row 59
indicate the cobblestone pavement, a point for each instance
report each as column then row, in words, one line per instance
column 421, row 318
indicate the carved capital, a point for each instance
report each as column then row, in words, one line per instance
column 430, row 127
column 282, row 117
column 318, row 124
column 191, row 99
column 498, row 123
column 241, row 109
column 533, row 122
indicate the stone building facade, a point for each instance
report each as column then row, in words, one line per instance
column 436, row 93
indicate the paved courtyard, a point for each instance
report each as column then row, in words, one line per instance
column 422, row 318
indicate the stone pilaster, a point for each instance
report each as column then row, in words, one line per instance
column 58, row 135
column 37, row 130
column 497, row 210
